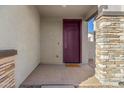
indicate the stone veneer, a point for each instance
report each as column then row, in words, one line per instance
column 110, row 50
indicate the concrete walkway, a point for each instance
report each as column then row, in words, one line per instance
column 59, row 74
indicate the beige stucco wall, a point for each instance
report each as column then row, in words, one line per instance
column 84, row 42
column 51, row 35
column 20, row 29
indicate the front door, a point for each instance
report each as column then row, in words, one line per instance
column 71, row 40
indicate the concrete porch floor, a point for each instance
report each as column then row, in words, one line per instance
column 59, row 74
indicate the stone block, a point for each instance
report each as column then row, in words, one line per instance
column 110, row 49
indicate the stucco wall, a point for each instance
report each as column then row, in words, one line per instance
column 84, row 42
column 20, row 29
column 52, row 41
column 51, row 35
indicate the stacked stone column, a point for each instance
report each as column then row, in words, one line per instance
column 110, row 50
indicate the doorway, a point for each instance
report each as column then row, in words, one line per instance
column 71, row 40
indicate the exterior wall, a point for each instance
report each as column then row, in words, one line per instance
column 91, row 50
column 113, row 8
column 91, row 46
column 20, row 30
column 52, row 41
column 110, row 50
column 84, row 42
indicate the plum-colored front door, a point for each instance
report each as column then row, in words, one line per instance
column 71, row 41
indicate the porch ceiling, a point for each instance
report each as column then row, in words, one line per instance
column 65, row 11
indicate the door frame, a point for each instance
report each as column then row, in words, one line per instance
column 80, row 42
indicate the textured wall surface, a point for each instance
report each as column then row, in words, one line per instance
column 110, row 50
column 52, row 40
column 20, row 30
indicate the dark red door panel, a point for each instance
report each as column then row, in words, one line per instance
column 71, row 41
